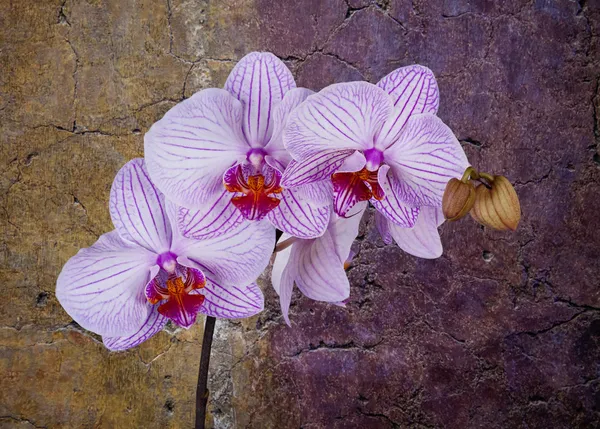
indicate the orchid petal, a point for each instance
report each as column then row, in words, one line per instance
column 345, row 230
column 137, row 208
column 190, row 148
column 423, row 240
column 354, row 162
column 102, row 286
column 282, row 278
column 285, row 293
column 340, row 117
column 391, row 206
column 259, row 80
column 231, row 302
column 152, row 326
column 216, row 218
column 382, row 224
column 424, row 158
column 314, row 168
column 236, row 257
column 320, row 273
column 291, row 100
column 413, row 90
column 282, row 258
column 299, row 214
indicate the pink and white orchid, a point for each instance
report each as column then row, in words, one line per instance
column 317, row 266
column 381, row 143
column 220, row 155
column 132, row 280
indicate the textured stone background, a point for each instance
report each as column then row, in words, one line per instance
column 502, row 331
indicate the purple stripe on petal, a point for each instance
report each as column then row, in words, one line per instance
column 314, row 168
column 423, row 159
column 231, row 302
column 190, row 148
column 260, row 81
column 300, row 214
column 152, row 326
column 238, row 256
column 275, row 148
column 217, row 217
column 137, row 208
column 340, row 117
column 102, row 287
column 392, row 206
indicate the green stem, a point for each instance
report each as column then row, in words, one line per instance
column 470, row 174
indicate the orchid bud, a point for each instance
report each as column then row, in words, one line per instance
column 498, row 206
column 458, row 199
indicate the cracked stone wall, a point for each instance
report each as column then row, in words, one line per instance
column 502, row 331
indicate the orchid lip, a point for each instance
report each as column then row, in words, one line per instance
column 374, row 159
column 175, row 293
column 257, row 191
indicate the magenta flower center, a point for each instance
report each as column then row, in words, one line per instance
column 175, row 289
column 257, row 191
column 350, row 188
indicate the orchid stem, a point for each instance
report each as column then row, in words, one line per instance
column 201, row 388
column 284, row 244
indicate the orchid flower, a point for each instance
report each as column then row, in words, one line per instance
column 129, row 283
column 317, row 266
column 381, row 143
column 220, row 155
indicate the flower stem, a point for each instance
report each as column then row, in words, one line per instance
column 284, row 244
column 201, row 388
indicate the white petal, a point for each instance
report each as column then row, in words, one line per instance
column 314, row 168
column 340, row 117
column 215, row 218
column 190, row 148
column 291, row 100
column 423, row 240
column 301, row 214
column 392, row 206
column 424, row 158
column 152, row 326
column 413, row 90
column 236, row 257
column 137, row 208
column 102, row 287
column 259, row 80
column 231, row 302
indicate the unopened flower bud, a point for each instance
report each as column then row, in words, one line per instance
column 458, row 199
column 498, row 207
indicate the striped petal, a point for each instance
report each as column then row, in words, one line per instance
column 231, row 302
column 190, row 148
column 236, row 257
column 423, row 159
column 291, row 100
column 102, row 287
column 260, row 80
column 314, row 168
column 342, row 116
column 303, row 211
column 413, row 90
column 137, row 208
column 391, row 206
column 215, row 218
column 423, row 240
column 152, row 326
